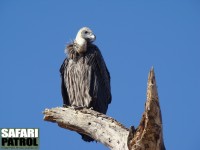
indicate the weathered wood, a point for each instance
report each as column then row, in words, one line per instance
column 104, row 129
column 149, row 135
column 100, row 127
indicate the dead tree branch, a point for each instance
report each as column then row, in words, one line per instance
column 108, row 131
column 98, row 126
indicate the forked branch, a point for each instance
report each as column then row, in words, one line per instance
column 108, row 131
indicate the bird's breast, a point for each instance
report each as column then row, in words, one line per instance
column 78, row 77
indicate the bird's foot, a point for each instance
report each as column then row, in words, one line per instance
column 78, row 107
column 91, row 108
column 65, row 106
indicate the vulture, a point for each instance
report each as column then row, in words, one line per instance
column 85, row 79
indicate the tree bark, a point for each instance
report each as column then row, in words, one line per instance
column 108, row 131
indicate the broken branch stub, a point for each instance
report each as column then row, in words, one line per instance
column 149, row 134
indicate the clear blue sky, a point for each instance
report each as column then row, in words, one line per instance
column 132, row 35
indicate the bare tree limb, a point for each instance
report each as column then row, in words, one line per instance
column 98, row 126
column 108, row 131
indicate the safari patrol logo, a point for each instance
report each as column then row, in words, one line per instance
column 19, row 138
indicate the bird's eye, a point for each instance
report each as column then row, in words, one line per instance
column 86, row 32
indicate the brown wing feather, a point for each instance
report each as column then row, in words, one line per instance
column 100, row 88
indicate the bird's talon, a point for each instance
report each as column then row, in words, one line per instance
column 65, row 106
column 78, row 107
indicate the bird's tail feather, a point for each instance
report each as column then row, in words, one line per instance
column 86, row 138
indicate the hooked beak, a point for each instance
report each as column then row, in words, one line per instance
column 92, row 38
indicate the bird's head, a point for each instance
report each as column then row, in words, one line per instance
column 84, row 37
column 85, row 34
